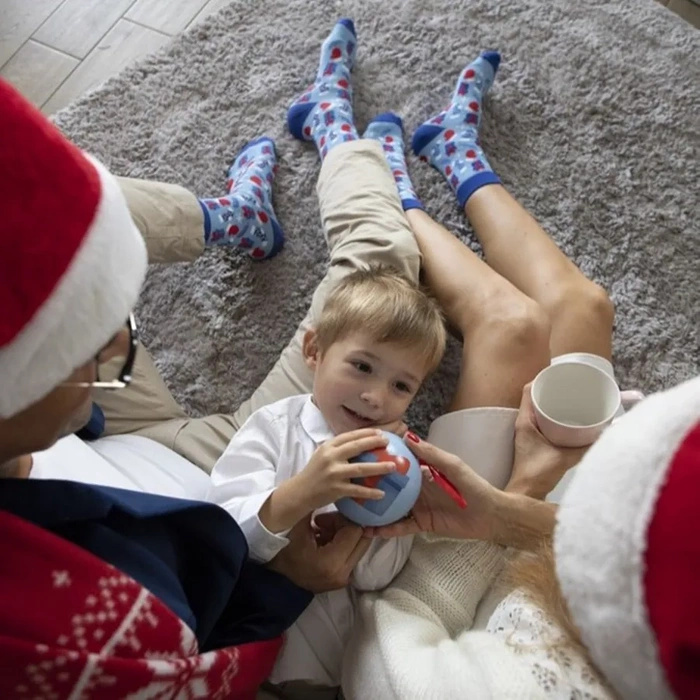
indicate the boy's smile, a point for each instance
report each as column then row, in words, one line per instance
column 354, row 415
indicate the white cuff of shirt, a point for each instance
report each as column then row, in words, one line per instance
column 263, row 544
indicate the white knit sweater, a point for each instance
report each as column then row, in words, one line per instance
column 415, row 639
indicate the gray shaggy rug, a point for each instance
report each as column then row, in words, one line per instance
column 592, row 123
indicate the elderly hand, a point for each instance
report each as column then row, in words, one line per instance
column 510, row 519
column 435, row 511
column 321, row 557
column 538, row 465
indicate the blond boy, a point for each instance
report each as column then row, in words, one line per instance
column 378, row 338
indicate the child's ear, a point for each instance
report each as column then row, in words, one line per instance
column 310, row 350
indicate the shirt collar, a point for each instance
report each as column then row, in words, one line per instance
column 314, row 423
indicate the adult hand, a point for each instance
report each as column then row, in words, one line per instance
column 510, row 519
column 321, row 563
column 435, row 511
column 538, row 465
column 327, row 525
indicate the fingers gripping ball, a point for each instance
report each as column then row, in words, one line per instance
column 401, row 488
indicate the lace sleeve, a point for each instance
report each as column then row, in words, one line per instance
column 557, row 667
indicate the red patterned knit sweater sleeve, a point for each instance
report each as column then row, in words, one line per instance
column 73, row 626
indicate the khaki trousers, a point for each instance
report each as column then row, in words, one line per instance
column 363, row 223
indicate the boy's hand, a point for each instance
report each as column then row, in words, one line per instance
column 325, row 479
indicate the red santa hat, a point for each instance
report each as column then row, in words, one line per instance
column 71, row 260
column 627, row 546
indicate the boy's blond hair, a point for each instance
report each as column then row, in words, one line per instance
column 388, row 307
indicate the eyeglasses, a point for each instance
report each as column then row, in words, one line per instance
column 117, row 371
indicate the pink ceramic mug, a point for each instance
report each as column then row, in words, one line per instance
column 574, row 402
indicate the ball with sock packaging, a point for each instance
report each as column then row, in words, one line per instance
column 401, row 487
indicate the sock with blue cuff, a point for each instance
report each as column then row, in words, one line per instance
column 243, row 217
column 449, row 141
column 387, row 128
column 323, row 114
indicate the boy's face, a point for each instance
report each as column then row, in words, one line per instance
column 360, row 383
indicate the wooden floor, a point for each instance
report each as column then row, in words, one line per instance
column 55, row 50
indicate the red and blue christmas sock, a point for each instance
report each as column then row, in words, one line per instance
column 449, row 141
column 323, row 113
column 244, row 217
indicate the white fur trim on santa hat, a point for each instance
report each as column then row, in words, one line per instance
column 600, row 538
column 89, row 305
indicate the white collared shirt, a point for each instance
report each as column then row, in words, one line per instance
column 272, row 446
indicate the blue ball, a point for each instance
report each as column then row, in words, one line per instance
column 401, row 489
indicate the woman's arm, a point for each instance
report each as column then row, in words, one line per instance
column 522, row 522
column 514, row 518
column 321, row 565
column 509, row 519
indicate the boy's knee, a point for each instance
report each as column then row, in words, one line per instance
column 397, row 249
column 406, row 255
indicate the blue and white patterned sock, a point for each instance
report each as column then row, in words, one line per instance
column 323, row 113
column 244, row 217
column 387, row 128
column 450, row 140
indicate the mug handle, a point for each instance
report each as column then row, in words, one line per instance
column 631, row 398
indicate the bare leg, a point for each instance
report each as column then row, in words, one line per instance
column 506, row 334
column 579, row 311
column 515, row 245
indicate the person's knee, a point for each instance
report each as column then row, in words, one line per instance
column 526, row 326
column 600, row 304
column 517, row 325
column 400, row 251
column 588, row 301
column 361, row 246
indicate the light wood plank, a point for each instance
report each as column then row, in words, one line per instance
column 209, row 9
column 168, row 16
column 19, row 19
column 37, row 70
column 78, row 25
column 125, row 43
column 689, row 11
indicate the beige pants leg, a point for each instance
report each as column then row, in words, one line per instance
column 169, row 218
column 363, row 222
column 170, row 221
